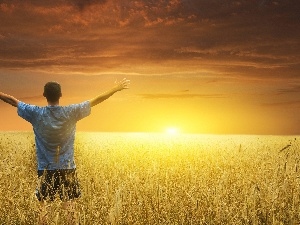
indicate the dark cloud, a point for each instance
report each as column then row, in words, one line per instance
column 82, row 4
column 290, row 90
column 283, row 104
column 180, row 96
column 246, row 38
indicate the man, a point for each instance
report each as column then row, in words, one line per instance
column 54, row 128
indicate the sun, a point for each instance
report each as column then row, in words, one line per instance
column 172, row 131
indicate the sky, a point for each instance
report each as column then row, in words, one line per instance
column 217, row 67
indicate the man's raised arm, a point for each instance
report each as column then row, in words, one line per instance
column 123, row 84
column 9, row 99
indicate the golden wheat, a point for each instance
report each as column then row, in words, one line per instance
column 159, row 179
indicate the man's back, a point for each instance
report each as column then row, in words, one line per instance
column 54, row 128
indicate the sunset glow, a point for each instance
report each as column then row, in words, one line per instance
column 221, row 67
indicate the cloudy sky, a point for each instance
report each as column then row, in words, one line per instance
column 217, row 66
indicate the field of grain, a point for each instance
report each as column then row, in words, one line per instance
column 135, row 178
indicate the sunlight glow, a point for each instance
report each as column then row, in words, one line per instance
column 172, row 130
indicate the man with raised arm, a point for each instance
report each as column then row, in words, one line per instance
column 54, row 127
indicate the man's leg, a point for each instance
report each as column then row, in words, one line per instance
column 41, row 193
column 43, row 214
column 69, row 192
column 45, row 192
column 70, row 212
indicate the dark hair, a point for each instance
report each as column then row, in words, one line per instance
column 52, row 91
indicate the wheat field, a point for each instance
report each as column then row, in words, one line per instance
column 140, row 178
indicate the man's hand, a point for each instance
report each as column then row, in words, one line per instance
column 119, row 86
column 123, row 84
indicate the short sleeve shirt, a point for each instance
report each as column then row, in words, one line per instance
column 54, row 128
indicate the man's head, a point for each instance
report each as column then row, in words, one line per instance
column 52, row 91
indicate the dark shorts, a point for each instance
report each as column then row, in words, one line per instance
column 63, row 182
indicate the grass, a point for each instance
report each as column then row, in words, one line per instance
column 130, row 178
